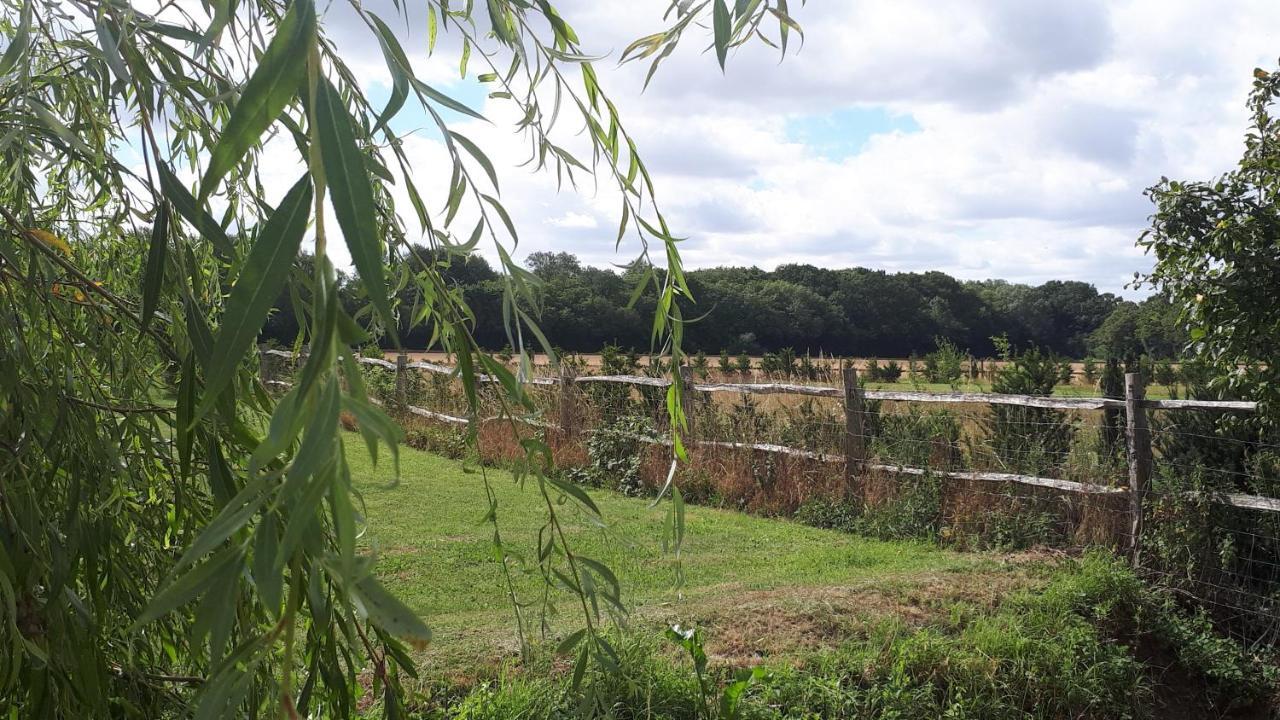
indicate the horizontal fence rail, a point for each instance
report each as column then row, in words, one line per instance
column 771, row 388
column 1239, row 500
column 875, row 448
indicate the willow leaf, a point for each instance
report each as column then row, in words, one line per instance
column 273, row 84
column 185, row 203
column 153, row 277
column 720, row 23
column 265, row 272
column 388, row 613
column 352, row 196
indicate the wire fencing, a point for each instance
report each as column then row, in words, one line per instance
column 1189, row 490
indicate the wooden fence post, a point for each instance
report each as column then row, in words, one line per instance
column 264, row 366
column 402, row 379
column 566, row 401
column 1138, row 434
column 855, row 447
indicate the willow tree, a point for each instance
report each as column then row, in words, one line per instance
column 174, row 540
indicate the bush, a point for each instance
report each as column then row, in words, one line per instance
column 1028, row 440
column 779, row 364
column 917, row 438
column 616, row 455
column 890, row 372
column 944, row 365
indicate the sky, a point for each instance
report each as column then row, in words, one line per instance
column 985, row 139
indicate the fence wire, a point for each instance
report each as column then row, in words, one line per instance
column 970, row 475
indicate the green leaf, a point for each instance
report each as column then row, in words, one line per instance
column 186, row 410
column 720, row 23
column 18, row 44
column 273, row 84
column 386, row 612
column 478, row 154
column 185, row 203
column 187, row 586
column 153, row 277
column 111, row 50
column 265, row 272
column 352, row 197
column 398, row 65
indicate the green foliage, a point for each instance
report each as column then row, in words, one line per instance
column 616, row 452
column 779, row 364
column 890, row 372
column 945, row 364
column 1215, row 250
column 164, row 516
column 1078, row 647
column 1029, row 440
column 853, row 311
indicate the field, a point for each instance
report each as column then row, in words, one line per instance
column 836, row 625
column 590, row 364
column 439, row 558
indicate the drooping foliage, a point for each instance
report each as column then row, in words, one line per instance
column 175, row 541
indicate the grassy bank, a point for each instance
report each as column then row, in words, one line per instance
column 436, row 554
column 837, row 625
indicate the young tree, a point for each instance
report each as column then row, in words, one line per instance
column 1217, row 257
column 174, row 541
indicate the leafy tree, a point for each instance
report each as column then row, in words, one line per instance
column 175, row 541
column 1217, row 258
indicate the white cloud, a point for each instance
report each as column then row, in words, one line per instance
column 1039, row 125
column 574, row 220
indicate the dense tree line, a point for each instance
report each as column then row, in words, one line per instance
column 853, row 311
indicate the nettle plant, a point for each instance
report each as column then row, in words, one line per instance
column 174, row 540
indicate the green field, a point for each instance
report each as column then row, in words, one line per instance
column 839, row 625
column 437, row 556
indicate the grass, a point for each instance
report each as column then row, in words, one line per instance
column 837, row 625
column 436, row 555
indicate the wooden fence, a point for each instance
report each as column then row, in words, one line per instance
column 854, row 451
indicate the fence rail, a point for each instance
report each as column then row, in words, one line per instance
column 1138, row 436
column 1205, row 532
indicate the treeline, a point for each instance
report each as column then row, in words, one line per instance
column 854, row 311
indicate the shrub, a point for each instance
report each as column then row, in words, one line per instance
column 1028, row 439
column 891, row 372
column 1090, row 371
column 700, row 366
column 780, row 364
column 913, row 512
column 945, row 364
column 726, row 363
column 917, row 438
column 743, row 364
column 615, row 455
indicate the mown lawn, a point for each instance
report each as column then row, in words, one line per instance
column 436, row 554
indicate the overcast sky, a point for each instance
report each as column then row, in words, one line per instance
column 987, row 139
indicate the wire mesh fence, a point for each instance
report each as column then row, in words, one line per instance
column 1188, row 489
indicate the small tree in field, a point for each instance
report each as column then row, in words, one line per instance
column 1028, row 439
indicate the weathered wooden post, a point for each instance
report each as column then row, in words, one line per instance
column 1138, row 434
column 264, row 366
column 566, row 401
column 402, row 379
column 855, row 447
